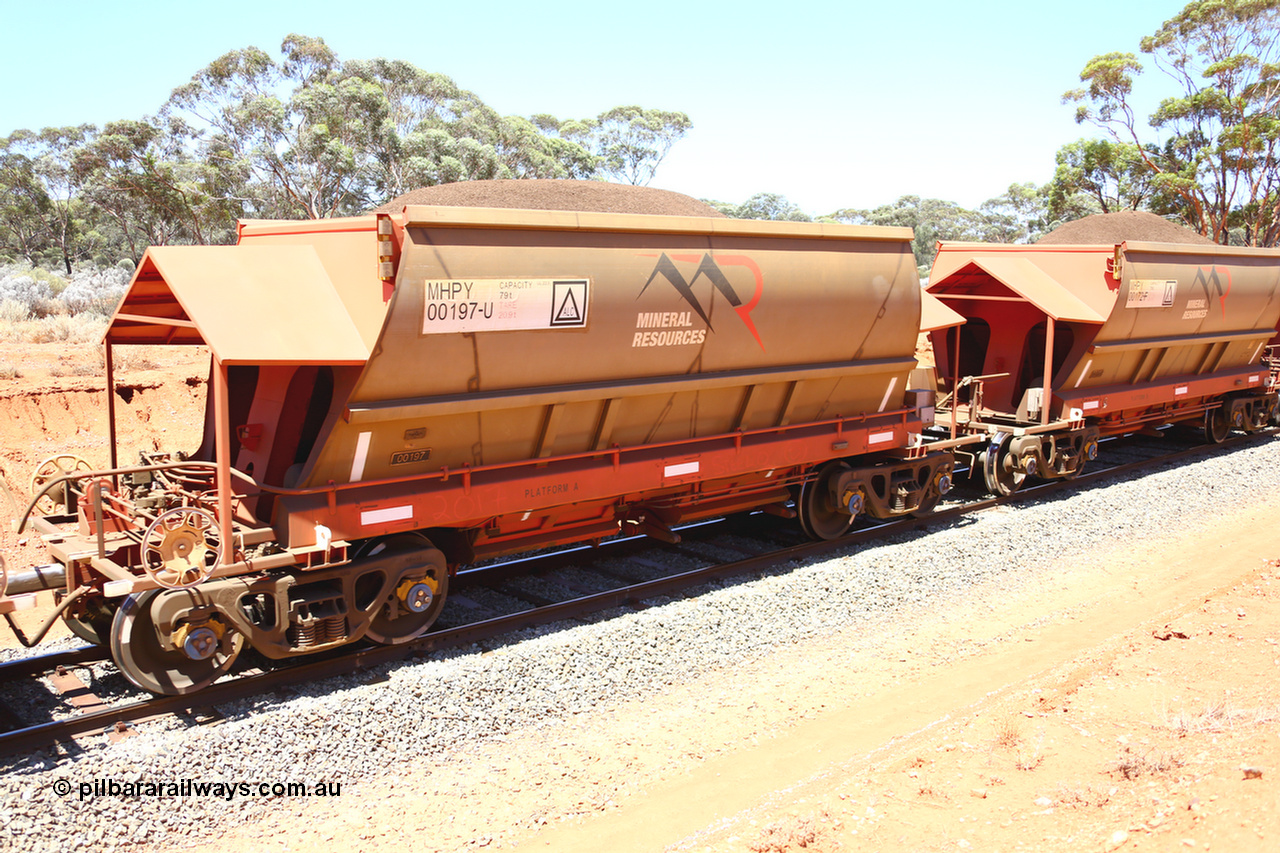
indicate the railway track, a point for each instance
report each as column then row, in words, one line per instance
column 492, row 601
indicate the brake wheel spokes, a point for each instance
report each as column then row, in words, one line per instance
column 182, row 547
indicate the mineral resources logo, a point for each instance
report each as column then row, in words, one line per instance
column 678, row 327
column 1215, row 280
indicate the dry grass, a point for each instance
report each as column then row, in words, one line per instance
column 793, row 834
column 71, row 328
column 1131, row 765
column 1008, row 734
column 9, row 371
column 1083, row 797
column 133, row 359
column 12, row 311
column 1217, row 715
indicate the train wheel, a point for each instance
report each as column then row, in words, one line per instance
column 819, row 517
column 58, row 465
column 203, row 657
column 998, row 468
column 415, row 604
column 91, row 622
column 1216, row 427
column 86, row 630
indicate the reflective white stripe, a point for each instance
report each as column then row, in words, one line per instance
column 382, row 516
column 880, row 437
column 362, row 453
column 527, row 513
column 893, row 383
column 1084, row 373
column 680, row 470
column 1180, row 390
column 1254, row 357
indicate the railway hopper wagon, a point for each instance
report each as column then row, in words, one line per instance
column 1065, row 344
column 397, row 395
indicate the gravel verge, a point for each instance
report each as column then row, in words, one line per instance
column 362, row 727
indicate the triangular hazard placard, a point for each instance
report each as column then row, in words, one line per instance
column 568, row 311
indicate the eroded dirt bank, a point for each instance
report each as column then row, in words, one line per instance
column 57, row 404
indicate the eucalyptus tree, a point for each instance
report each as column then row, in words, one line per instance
column 932, row 219
column 769, row 206
column 1212, row 147
column 303, row 133
column 630, row 142
column 24, row 203
column 1018, row 215
column 1099, row 176
column 43, row 209
column 152, row 180
column 316, row 137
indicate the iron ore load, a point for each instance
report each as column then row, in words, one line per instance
column 397, row 395
column 1064, row 344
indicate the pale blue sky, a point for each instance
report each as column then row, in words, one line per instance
column 832, row 104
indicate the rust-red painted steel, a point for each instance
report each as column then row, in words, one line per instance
column 531, row 377
column 537, row 337
column 1140, row 326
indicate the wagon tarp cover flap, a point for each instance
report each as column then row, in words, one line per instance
column 249, row 304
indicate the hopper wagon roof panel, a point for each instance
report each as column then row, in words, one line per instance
column 250, row 304
column 1066, row 287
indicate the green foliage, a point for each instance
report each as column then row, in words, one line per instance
column 1098, row 176
column 315, row 137
column 931, row 219
column 630, row 142
column 42, row 218
column 763, row 206
column 1214, row 159
column 1016, row 216
column 304, row 135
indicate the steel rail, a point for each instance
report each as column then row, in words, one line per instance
column 345, row 662
column 50, row 661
